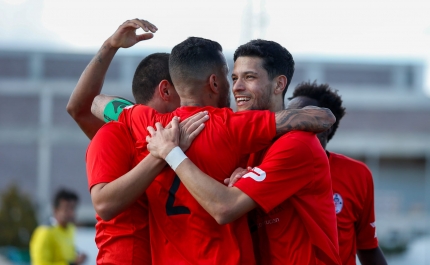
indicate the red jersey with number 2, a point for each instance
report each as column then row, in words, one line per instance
column 182, row 232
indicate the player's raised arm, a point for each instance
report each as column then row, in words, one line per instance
column 91, row 81
column 311, row 119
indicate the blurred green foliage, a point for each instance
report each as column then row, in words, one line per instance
column 17, row 218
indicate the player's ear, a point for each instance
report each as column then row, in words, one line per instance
column 281, row 83
column 165, row 90
column 213, row 83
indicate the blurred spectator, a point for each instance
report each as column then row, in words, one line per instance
column 54, row 243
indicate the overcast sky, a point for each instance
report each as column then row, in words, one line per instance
column 367, row 28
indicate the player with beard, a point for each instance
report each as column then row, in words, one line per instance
column 177, row 221
column 290, row 187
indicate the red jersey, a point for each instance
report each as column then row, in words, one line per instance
column 125, row 238
column 182, row 232
column 353, row 195
column 296, row 223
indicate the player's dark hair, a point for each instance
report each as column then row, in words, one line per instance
column 66, row 195
column 194, row 58
column 149, row 73
column 326, row 98
column 276, row 59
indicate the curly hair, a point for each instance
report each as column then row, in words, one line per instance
column 326, row 98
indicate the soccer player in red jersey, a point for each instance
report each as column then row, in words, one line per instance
column 152, row 85
column 122, row 234
column 353, row 191
column 296, row 222
column 182, row 232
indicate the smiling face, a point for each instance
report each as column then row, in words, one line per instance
column 252, row 87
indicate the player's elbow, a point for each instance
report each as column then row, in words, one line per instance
column 73, row 110
column 330, row 119
column 225, row 215
column 78, row 111
column 105, row 208
column 104, row 212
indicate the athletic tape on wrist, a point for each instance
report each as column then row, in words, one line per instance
column 175, row 157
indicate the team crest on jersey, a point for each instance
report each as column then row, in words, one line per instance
column 256, row 174
column 338, row 202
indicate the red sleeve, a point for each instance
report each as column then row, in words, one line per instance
column 137, row 118
column 366, row 225
column 110, row 154
column 286, row 168
column 252, row 130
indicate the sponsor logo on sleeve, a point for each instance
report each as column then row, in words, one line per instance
column 256, row 174
column 338, row 202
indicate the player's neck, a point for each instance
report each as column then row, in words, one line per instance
column 277, row 105
column 197, row 104
column 199, row 101
column 191, row 104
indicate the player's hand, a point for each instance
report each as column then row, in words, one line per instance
column 163, row 140
column 235, row 176
column 125, row 36
column 190, row 128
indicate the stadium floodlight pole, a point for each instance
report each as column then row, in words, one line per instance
column 44, row 154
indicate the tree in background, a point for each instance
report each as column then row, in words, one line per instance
column 17, row 218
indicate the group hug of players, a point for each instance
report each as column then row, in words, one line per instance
column 179, row 178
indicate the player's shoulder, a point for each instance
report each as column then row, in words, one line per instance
column 138, row 108
column 113, row 126
column 298, row 140
column 219, row 115
column 219, row 111
column 347, row 160
column 110, row 132
column 43, row 230
column 350, row 163
column 300, row 135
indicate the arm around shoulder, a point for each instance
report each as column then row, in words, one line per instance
column 312, row 119
column 224, row 204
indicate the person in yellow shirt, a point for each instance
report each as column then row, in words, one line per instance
column 54, row 244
